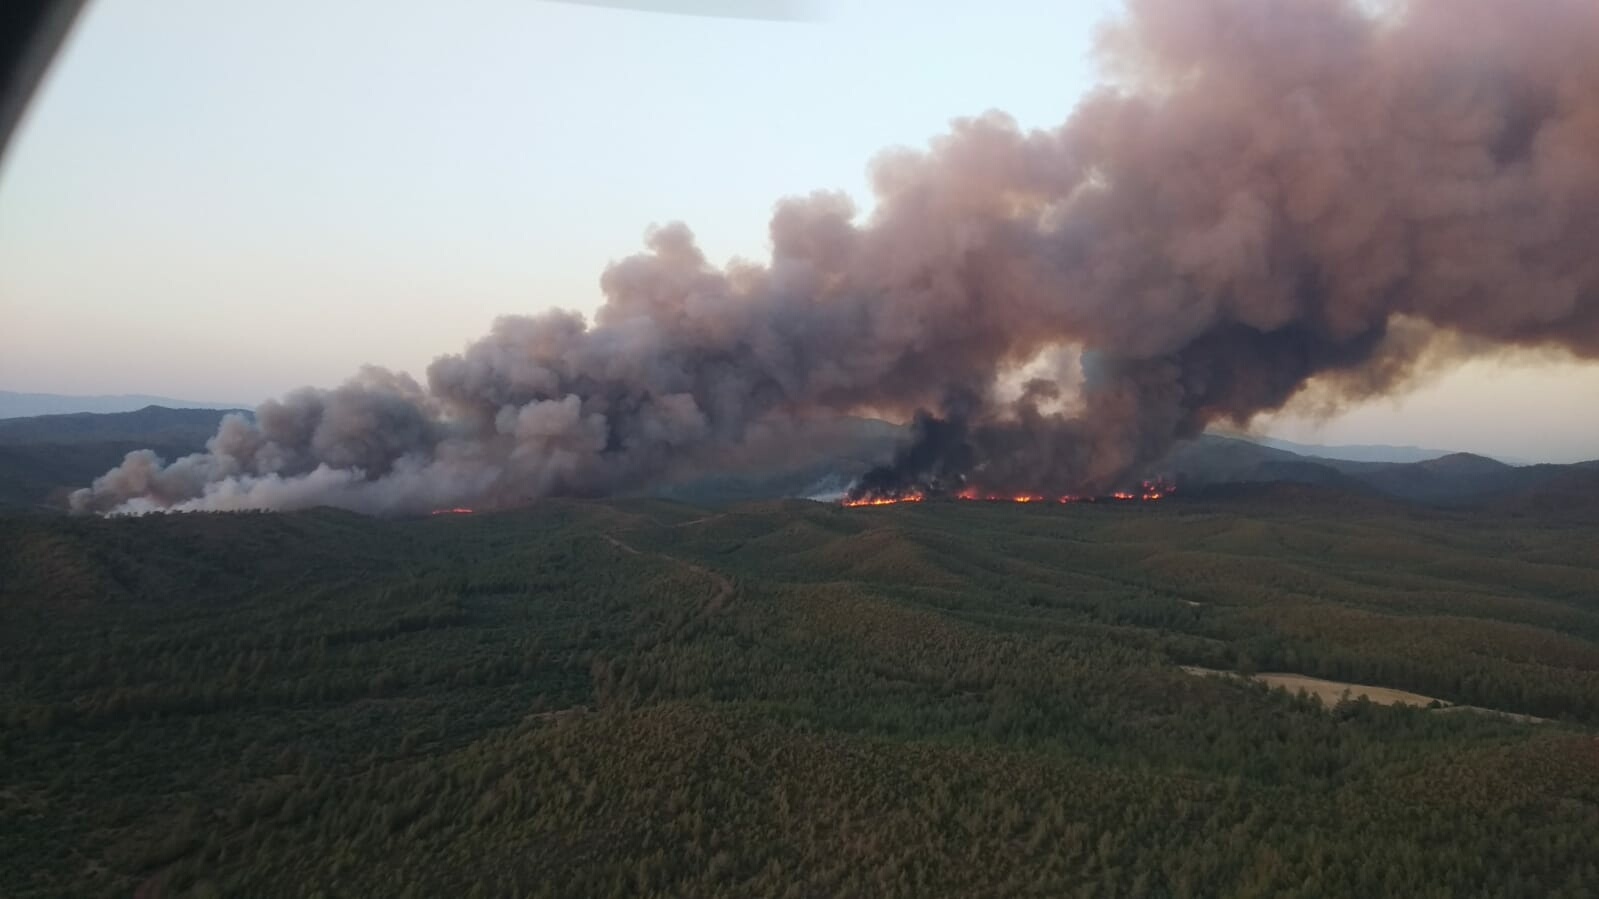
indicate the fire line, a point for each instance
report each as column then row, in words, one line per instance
column 1152, row 491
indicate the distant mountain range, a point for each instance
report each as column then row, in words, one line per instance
column 42, row 458
column 17, row 405
column 1364, row 452
column 1451, row 478
column 153, row 424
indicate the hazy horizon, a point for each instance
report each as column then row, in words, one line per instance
column 220, row 204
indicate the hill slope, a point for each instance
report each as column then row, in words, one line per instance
column 1367, row 452
column 151, row 424
column 790, row 698
column 1454, row 478
column 44, row 458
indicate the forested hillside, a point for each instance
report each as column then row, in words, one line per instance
column 45, row 457
column 792, row 699
column 1449, row 479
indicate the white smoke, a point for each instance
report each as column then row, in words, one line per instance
column 1265, row 192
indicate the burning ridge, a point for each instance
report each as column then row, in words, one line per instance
column 1148, row 491
column 1263, row 196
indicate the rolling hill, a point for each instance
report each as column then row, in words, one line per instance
column 1362, row 452
column 1454, row 478
column 646, row 698
column 154, row 424
column 43, row 458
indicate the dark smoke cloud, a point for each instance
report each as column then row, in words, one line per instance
column 1263, row 194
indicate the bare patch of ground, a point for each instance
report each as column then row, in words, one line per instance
column 1332, row 692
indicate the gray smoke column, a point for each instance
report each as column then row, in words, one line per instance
column 1261, row 193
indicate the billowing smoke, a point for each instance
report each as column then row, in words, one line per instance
column 1262, row 193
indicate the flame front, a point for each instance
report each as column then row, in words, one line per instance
column 884, row 500
column 455, row 511
column 1150, row 491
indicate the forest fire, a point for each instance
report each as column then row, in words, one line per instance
column 1149, row 491
column 884, row 500
column 455, row 511
column 972, row 495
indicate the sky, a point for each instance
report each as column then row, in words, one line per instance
column 223, row 200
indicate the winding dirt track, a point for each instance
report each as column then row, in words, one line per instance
column 724, row 586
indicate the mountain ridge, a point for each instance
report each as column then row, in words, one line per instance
column 43, row 458
column 16, row 404
column 1360, row 452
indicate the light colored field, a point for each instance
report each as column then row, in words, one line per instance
column 1332, row 692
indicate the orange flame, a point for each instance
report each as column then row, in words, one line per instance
column 1152, row 491
column 456, row 511
column 884, row 500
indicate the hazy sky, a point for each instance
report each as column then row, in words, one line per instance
column 223, row 200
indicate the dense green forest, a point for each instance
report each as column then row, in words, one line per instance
column 644, row 698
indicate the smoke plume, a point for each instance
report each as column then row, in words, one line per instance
column 1260, row 193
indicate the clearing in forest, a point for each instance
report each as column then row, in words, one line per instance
column 1330, row 692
